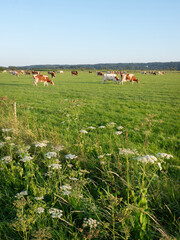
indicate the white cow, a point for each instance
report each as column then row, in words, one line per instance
column 110, row 76
column 60, row 72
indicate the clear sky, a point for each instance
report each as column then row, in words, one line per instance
column 88, row 31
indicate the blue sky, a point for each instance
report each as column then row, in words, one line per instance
column 88, row 31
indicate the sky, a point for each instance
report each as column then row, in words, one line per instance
column 88, row 31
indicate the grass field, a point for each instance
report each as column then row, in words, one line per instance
column 117, row 187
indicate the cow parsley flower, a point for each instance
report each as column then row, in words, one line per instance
column 90, row 222
column 164, row 155
column 66, row 187
column 23, row 193
column 2, row 144
column 100, row 156
column 55, row 166
column 51, row 155
column 127, row 151
column 147, row 159
column 26, row 159
column 70, row 156
column 40, row 210
column 91, row 127
column 39, row 198
column 73, row 179
column 59, row 148
column 7, row 129
column 101, row 126
column 111, row 124
column 83, row 131
column 6, row 159
column 55, row 213
column 7, row 138
column 119, row 127
column 40, row 144
column 118, row 133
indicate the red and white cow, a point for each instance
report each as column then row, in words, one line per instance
column 74, row 73
column 35, row 72
column 128, row 77
column 53, row 75
column 41, row 78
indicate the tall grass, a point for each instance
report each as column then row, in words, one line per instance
column 58, row 182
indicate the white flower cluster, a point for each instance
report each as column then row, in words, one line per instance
column 40, row 210
column 164, row 155
column 7, row 138
column 6, row 159
column 90, row 222
column 118, row 133
column 26, row 159
column 55, row 166
column 70, row 156
column 2, row 144
column 40, row 144
column 23, row 193
column 55, row 213
column 50, row 155
column 101, row 126
column 59, row 148
column 39, row 198
column 91, row 127
column 83, row 131
column 7, row 129
column 100, row 156
column 111, row 124
column 147, row 159
column 127, row 151
column 119, row 127
column 66, row 189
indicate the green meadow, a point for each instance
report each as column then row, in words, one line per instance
column 88, row 160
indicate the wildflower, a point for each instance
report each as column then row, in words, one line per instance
column 41, row 144
column 82, row 171
column 58, row 148
column 39, row 198
column 127, row 151
column 83, row 131
column 66, row 187
column 164, row 155
column 73, row 179
column 159, row 164
column 147, row 159
column 55, row 166
column 2, row 144
column 101, row 126
column 70, row 156
column 6, row 159
column 7, row 138
column 66, row 192
column 7, row 129
column 40, row 210
column 49, row 174
column 100, row 156
column 91, row 127
column 118, row 133
column 111, row 124
column 11, row 144
column 51, row 154
column 119, row 127
column 23, row 193
column 92, row 223
column 55, row 213
column 108, row 154
column 26, row 159
column 63, row 122
column 70, row 165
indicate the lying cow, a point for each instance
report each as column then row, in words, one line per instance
column 128, row 77
column 41, row 78
column 110, row 76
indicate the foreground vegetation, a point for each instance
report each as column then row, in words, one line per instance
column 86, row 160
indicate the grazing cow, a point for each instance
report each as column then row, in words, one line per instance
column 41, row 78
column 90, row 72
column 28, row 73
column 15, row 73
column 110, row 76
column 74, row 73
column 36, row 72
column 99, row 73
column 20, row 72
column 4, row 71
column 53, row 75
column 128, row 77
column 144, row 72
column 60, row 72
column 160, row 73
column 152, row 73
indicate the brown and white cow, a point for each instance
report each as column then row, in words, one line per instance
column 53, row 75
column 99, row 73
column 41, row 78
column 35, row 72
column 74, row 73
column 20, row 72
column 128, row 77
